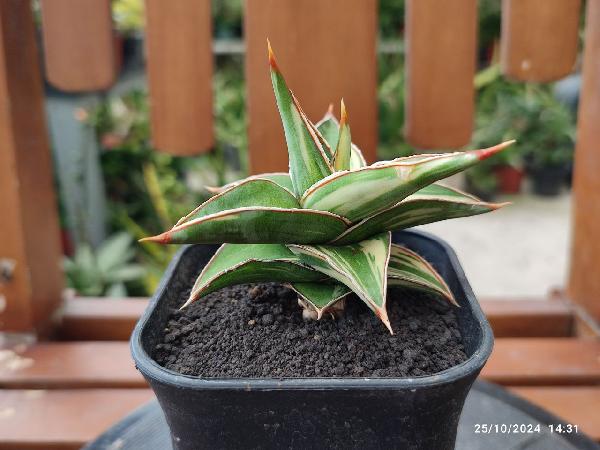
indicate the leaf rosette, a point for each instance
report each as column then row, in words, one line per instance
column 325, row 226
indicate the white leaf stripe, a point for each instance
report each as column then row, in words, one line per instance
column 247, row 193
column 410, row 266
column 362, row 267
column 320, row 295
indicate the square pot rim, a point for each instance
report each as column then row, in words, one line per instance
column 473, row 364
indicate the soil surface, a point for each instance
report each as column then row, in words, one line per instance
column 258, row 331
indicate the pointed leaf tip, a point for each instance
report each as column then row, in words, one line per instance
column 382, row 314
column 329, row 110
column 343, row 114
column 485, row 153
column 163, row 238
column 272, row 61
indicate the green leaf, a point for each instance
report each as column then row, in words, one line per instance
column 357, row 160
column 250, row 263
column 308, row 161
column 329, row 128
column 114, row 251
column 341, row 158
column 406, row 268
column 255, row 192
column 281, row 178
column 363, row 192
column 362, row 267
column 256, row 225
column 127, row 272
column 321, row 295
column 116, row 290
column 430, row 204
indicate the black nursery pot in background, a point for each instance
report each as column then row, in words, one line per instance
column 345, row 413
column 548, row 181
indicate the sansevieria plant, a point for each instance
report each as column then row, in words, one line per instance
column 325, row 227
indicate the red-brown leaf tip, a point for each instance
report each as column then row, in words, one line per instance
column 485, row 153
column 272, row 61
column 343, row 114
column 162, row 238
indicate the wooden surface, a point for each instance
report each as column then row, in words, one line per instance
column 577, row 405
column 79, row 45
column 56, row 365
column 539, row 38
column 29, row 232
column 529, row 317
column 64, row 419
column 544, row 361
column 102, row 319
column 326, row 51
column 515, row 361
column 440, row 66
column 180, row 67
column 584, row 284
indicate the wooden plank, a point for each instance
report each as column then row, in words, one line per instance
column 57, row 365
column 544, row 361
column 576, row 405
column 103, row 319
column 440, row 66
column 584, row 282
column 100, row 319
column 326, row 51
column 529, row 317
column 65, row 420
column 29, row 232
column 539, row 38
column 180, row 67
column 79, row 45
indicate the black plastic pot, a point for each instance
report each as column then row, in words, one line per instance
column 319, row 413
column 548, row 181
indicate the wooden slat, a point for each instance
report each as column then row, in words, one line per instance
column 584, row 282
column 100, row 319
column 33, row 292
column 533, row 361
column 576, row 405
column 326, row 50
column 103, row 319
column 180, row 67
column 544, row 361
column 65, row 420
column 539, row 38
column 440, row 66
column 79, row 46
column 529, row 317
column 71, row 365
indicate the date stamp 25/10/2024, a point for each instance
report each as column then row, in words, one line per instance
column 524, row 428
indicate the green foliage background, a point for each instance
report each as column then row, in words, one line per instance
column 148, row 190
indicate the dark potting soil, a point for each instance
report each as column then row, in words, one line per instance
column 257, row 330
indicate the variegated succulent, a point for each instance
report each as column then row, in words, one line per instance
column 325, row 227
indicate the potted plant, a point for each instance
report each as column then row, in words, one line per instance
column 252, row 366
column 550, row 141
column 482, row 181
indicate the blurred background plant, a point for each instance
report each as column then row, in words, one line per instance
column 128, row 16
column 148, row 191
column 106, row 270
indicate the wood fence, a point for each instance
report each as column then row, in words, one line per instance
column 327, row 49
